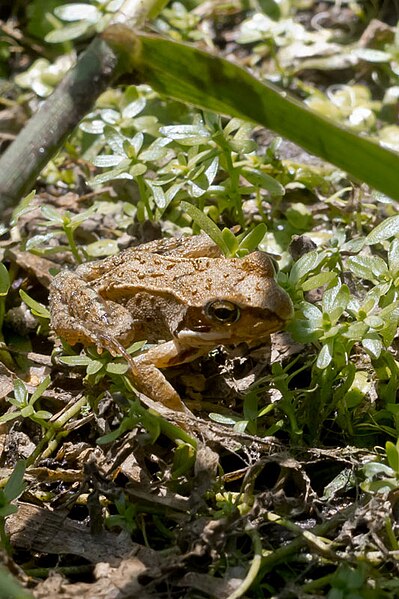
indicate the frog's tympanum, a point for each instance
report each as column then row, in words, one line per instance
column 181, row 293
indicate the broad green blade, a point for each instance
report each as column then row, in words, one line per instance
column 196, row 77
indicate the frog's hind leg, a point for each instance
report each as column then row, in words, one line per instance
column 152, row 382
column 79, row 315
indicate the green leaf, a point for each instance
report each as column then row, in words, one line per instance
column 374, row 322
column 10, row 587
column 356, row 331
column 323, row 278
column 380, row 486
column 393, row 257
column 187, row 135
column 40, row 389
column 392, row 452
column 221, row 419
column 251, row 241
column 7, row 510
column 373, row 469
column 106, row 161
column 311, row 312
column 231, row 242
column 155, row 151
column 367, row 267
column 135, row 347
column 75, row 360
column 303, row 266
column 183, row 459
column 27, row 411
column 102, row 247
column 210, row 82
column 137, row 169
column 117, row 368
column 325, row 356
column 43, row 415
column 134, row 108
column 385, row 230
column 207, row 225
column 15, row 485
column 305, row 331
column 68, row 32
column 38, row 241
column 135, row 144
column 94, row 366
column 110, row 116
column 264, row 181
column 77, row 12
column 240, row 426
column 36, row 307
column 336, row 297
column 95, row 127
column 4, row 280
column 373, row 345
column 20, row 392
column 115, row 140
column 116, row 173
column 80, row 217
column 158, row 194
column 24, row 206
column 9, row 416
column 52, row 215
column 371, row 55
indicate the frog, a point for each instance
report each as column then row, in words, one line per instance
column 181, row 296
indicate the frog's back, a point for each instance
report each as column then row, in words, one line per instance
column 191, row 281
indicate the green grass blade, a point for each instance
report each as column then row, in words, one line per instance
column 191, row 75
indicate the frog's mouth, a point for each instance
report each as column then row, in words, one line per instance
column 229, row 335
column 206, row 336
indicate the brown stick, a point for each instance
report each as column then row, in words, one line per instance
column 47, row 129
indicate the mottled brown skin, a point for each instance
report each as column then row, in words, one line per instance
column 181, row 293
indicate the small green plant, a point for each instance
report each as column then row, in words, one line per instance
column 229, row 244
column 5, row 284
column 354, row 583
column 126, row 517
column 25, row 404
column 84, row 20
column 341, row 323
column 13, row 488
column 100, row 365
column 382, row 475
column 180, row 23
column 186, row 157
column 4, row 288
column 67, row 223
column 43, row 76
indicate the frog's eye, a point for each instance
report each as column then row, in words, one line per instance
column 222, row 311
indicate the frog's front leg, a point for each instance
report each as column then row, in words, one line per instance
column 80, row 315
column 151, row 381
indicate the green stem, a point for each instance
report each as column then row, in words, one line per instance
column 71, row 240
column 254, row 568
column 55, row 431
column 4, row 541
column 143, row 196
column 234, row 185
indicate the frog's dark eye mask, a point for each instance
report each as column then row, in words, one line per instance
column 222, row 311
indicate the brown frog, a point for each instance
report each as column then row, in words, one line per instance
column 181, row 292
